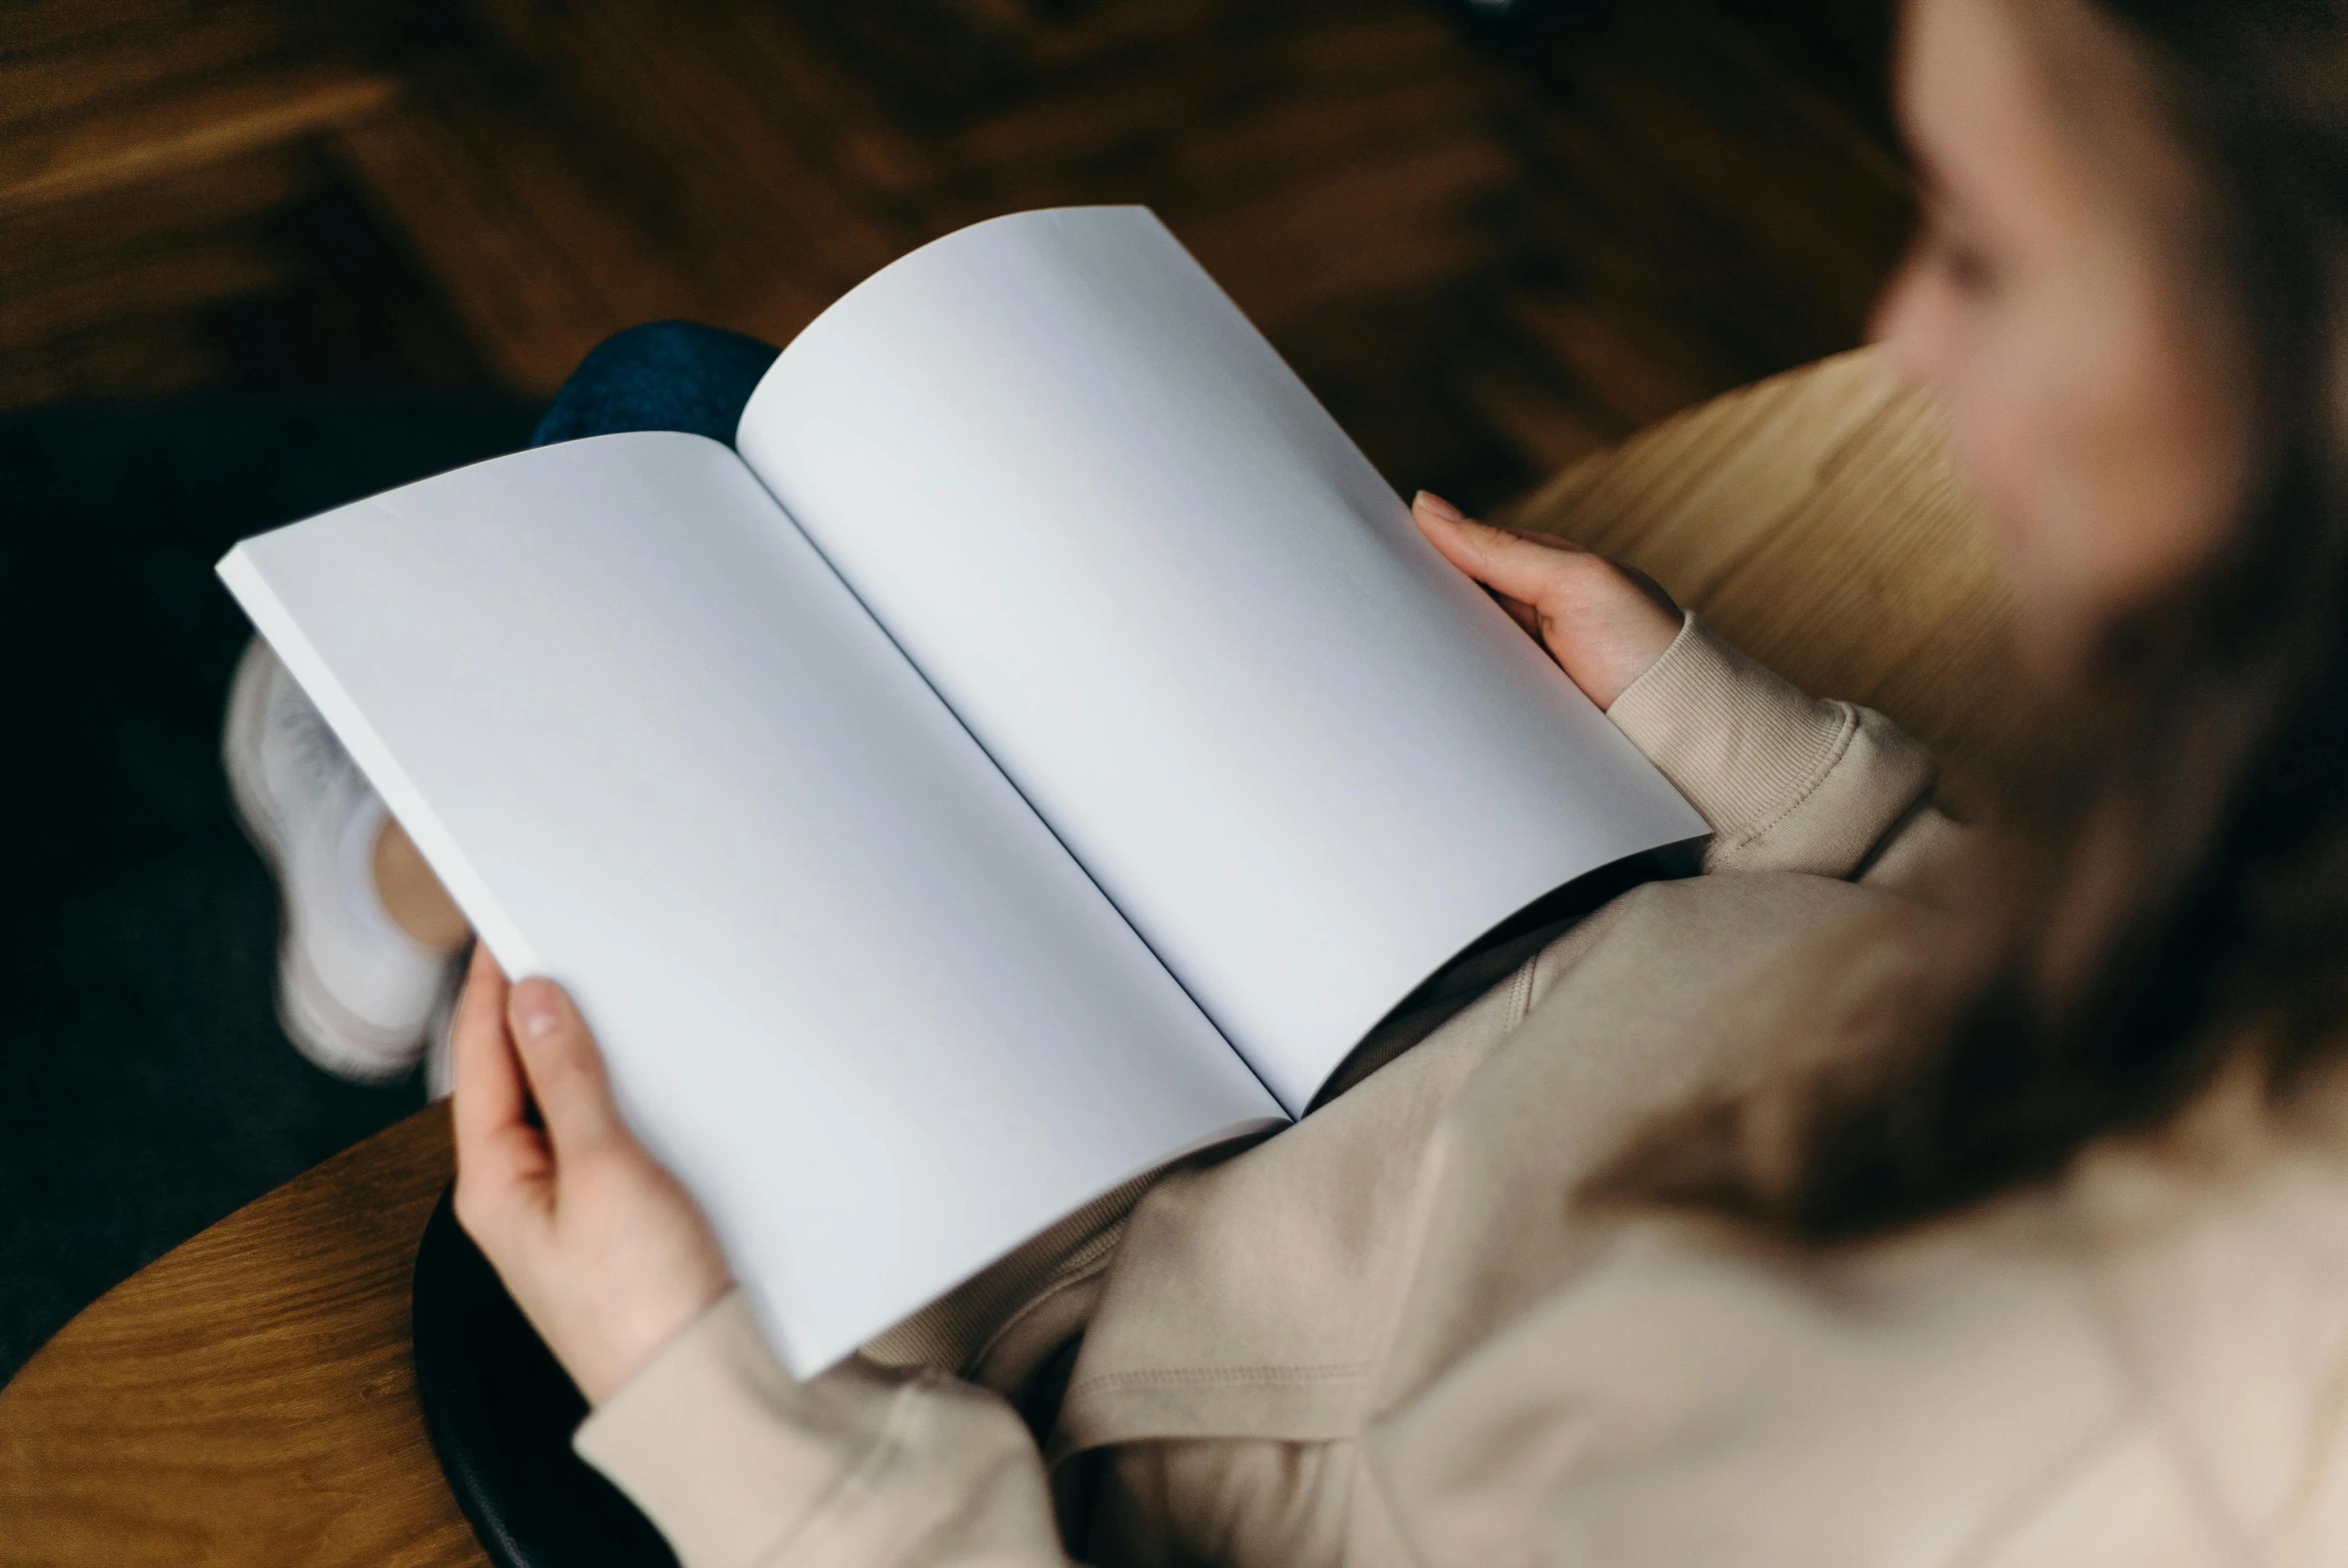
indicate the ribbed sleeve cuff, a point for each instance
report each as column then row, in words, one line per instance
column 1786, row 780
column 742, row 1467
column 721, row 1448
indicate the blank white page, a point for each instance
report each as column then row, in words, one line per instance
column 852, row 993
column 1308, row 759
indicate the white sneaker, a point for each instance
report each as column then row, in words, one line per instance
column 357, row 994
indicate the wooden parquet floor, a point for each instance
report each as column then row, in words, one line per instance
column 1488, row 261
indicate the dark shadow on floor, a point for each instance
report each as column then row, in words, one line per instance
column 145, row 1090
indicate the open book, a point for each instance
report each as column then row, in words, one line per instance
column 1047, row 748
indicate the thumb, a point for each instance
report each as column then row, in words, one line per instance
column 565, row 1069
column 1520, row 566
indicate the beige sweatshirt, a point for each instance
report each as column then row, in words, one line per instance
column 1385, row 1337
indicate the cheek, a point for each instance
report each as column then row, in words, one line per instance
column 2100, row 449
column 2161, row 467
column 2013, row 417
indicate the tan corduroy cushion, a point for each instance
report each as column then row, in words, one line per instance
column 1814, row 522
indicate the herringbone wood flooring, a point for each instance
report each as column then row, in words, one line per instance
column 1488, row 260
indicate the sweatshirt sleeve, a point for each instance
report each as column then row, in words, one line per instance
column 741, row 1466
column 1787, row 782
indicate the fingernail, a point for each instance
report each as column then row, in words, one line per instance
column 1437, row 505
column 538, row 1008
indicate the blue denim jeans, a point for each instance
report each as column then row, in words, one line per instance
column 666, row 375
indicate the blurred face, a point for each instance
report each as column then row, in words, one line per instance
column 2050, row 306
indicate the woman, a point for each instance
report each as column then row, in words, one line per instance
column 1876, row 1197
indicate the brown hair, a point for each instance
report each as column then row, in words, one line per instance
column 2175, row 899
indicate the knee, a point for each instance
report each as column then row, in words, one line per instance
column 665, row 375
column 663, row 348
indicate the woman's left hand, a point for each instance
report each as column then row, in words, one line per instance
column 603, row 1252
column 1604, row 624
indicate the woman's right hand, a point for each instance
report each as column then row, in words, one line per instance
column 1604, row 624
column 603, row 1252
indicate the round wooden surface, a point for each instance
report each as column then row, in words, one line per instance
column 248, row 1398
